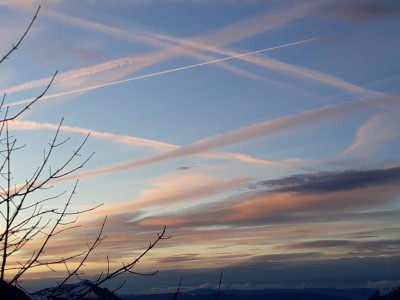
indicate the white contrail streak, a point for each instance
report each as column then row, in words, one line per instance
column 160, row 72
column 247, row 133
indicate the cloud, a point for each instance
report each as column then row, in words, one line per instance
column 146, row 143
column 180, row 258
column 249, row 220
column 139, row 61
column 285, row 257
column 302, row 72
column 173, row 192
column 122, row 139
column 25, row 5
column 360, row 10
column 184, row 189
column 380, row 244
column 268, row 208
column 186, row 168
column 375, row 134
column 211, row 42
column 85, row 53
column 133, row 34
column 325, row 182
column 275, row 19
column 74, row 78
column 384, row 285
column 245, row 134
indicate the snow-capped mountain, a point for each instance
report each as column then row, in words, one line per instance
column 72, row 291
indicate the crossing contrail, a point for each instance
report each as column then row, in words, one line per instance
column 86, row 89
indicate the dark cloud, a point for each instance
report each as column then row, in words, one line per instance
column 196, row 257
column 308, row 216
column 186, row 168
column 380, row 244
column 85, row 55
column 325, row 182
column 360, row 10
column 323, row 244
column 285, row 257
column 179, row 258
column 375, row 245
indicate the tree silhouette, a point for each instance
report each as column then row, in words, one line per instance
column 26, row 218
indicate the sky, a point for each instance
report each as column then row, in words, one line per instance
column 262, row 133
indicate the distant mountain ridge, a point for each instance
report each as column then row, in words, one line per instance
column 270, row 294
column 69, row 291
column 392, row 295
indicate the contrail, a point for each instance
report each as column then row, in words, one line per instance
column 160, row 72
column 259, row 130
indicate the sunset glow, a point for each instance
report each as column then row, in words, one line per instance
column 263, row 134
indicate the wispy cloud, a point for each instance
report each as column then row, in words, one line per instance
column 246, row 28
column 378, row 131
column 147, row 143
column 87, row 53
column 309, row 74
column 297, row 218
column 137, row 66
column 359, row 10
column 243, row 220
column 133, row 34
column 323, row 182
column 71, row 78
column 244, row 134
column 291, row 162
column 143, row 60
column 122, row 139
column 269, row 208
column 226, row 35
column 356, row 245
column 21, row 4
column 298, row 205
column 171, row 192
column 211, row 42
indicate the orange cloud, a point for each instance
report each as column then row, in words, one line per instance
column 167, row 192
column 116, row 138
column 266, row 208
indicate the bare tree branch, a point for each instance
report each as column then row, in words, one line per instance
column 27, row 219
column 15, row 47
column 219, row 292
column 177, row 293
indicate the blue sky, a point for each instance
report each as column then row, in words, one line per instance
column 287, row 157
